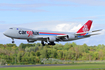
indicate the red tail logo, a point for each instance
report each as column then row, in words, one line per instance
column 30, row 33
column 86, row 27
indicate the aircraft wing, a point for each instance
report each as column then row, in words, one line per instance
column 59, row 36
column 45, row 37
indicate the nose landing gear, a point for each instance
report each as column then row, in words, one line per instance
column 13, row 41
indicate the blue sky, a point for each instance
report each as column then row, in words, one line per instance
column 58, row 15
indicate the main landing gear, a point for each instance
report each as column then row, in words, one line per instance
column 50, row 43
column 42, row 42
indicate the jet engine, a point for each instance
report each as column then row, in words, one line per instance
column 51, row 39
column 70, row 36
column 30, row 41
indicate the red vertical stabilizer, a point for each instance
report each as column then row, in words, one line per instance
column 86, row 27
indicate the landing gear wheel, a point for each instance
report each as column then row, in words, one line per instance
column 51, row 43
column 42, row 42
column 12, row 41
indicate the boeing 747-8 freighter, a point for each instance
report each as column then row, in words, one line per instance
column 49, row 36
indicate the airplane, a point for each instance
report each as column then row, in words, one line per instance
column 49, row 36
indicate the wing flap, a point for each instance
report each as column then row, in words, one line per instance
column 58, row 36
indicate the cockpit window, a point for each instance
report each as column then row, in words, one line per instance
column 11, row 28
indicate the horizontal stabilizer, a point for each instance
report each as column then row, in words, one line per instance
column 97, row 30
column 88, row 32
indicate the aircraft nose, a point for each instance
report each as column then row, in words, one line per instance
column 5, row 33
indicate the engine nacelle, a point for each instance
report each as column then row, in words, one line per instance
column 51, row 39
column 30, row 41
column 70, row 36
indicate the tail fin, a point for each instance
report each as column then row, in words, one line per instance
column 86, row 27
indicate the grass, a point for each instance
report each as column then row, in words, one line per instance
column 74, row 66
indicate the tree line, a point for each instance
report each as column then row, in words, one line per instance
column 35, row 53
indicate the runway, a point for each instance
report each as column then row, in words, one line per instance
column 9, row 66
column 33, row 65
